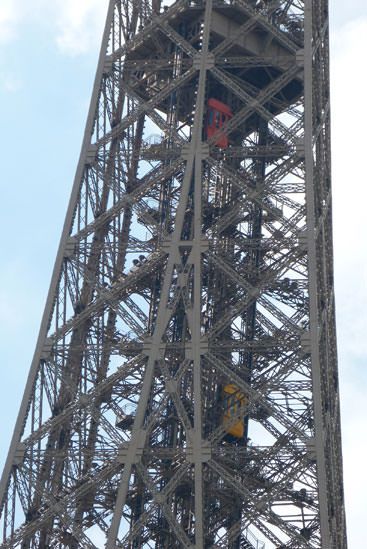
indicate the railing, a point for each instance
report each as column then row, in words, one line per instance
column 255, row 543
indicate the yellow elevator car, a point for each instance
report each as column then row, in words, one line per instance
column 233, row 400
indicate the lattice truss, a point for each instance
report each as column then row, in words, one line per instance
column 121, row 440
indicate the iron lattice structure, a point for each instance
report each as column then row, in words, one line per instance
column 124, row 433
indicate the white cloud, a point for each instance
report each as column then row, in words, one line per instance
column 76, row 25
column 79, row 25
column 348, row 84
column 349, row 151
column 10, row 83
column 354, row 456
column 8, row 21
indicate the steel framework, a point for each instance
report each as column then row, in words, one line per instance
column 185, row 267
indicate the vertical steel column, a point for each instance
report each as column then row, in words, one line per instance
column 313, row 267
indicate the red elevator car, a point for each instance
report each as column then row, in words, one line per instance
column 218, row 114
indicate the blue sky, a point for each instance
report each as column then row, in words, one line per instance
column 48, row 55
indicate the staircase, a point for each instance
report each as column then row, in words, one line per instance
column 250, row 541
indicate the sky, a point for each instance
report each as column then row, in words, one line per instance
column 48, row 58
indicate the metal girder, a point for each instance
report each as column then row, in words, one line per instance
column 191, row 264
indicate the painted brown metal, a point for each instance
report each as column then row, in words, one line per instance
column 186, row 267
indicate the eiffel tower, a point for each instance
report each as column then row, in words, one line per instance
column 184, row 387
